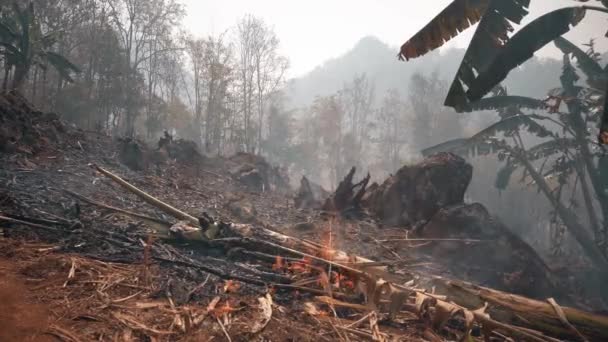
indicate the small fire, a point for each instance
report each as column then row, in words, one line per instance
column 231, row 286
column 223, row 310
column 278, row 264
column 323, row 280
column 302, row 266
column 323, row 313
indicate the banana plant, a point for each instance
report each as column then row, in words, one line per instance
column 493, row 51
column 568, row 151
column 24, row 45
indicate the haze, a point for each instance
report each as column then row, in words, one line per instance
column 314, row 31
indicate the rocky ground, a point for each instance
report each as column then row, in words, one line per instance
column 76, row 271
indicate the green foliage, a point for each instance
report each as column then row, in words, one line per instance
column 24, row 45
column 492, row 54
column 503, row 177
column 586, row 63
column 502, row 101
column 492, row 32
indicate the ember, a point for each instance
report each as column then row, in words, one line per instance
column 231, row 286
column 278, row 265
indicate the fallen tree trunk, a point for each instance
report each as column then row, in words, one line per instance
column 524, row 311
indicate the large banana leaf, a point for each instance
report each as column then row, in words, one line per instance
column 522, row 46
column 448, row 146
column 455, row 18
column 491, row 34
column 499, row 102
column 512, row 124
column 467, row 147
column 486, row 142
column 586, row 63
column 550, row 147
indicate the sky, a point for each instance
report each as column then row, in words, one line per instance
column 314, row 31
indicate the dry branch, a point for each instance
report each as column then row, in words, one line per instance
column 25, row 223
column 119, row 210
column 170, row 210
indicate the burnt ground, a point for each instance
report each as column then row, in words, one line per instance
column 78, row 272
column 85, row 276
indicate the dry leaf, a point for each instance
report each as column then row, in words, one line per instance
column 266, row 306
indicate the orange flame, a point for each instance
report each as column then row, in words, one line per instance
column 302, row 266
column 278, row 264
column 223, row 310
column 323, row 280
column 231, row 286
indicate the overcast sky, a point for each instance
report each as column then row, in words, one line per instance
column 314, row 31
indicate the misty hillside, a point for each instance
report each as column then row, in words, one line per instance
column 379, row 61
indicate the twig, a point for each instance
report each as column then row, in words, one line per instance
column 25, row 223
column 223, row 329
column 62, row 334
column 361, row 320
column 199, row 287
column 118, row 210
column 296, row 252
column 212, row 173
column 562, row 317
column 435, row 240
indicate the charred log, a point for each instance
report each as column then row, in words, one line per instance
column 348, row 196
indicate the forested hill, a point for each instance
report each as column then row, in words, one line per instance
column 379, row 61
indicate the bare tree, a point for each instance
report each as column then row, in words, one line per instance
column 392, row 129
column 140, row 24
column 357, row 98
column 261, row 72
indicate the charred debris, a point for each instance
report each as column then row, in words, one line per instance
column 125, row 242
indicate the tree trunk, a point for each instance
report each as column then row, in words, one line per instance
column 7, row 74
column 578, row 231
column 19, row 77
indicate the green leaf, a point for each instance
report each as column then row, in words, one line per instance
column 586, row 63
column 448, row 146
column 503, row 177
column 514, row 123
column 490, row 36
column 522, row 46
column 499, row 102
column 466, row 147
column 551, row 147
